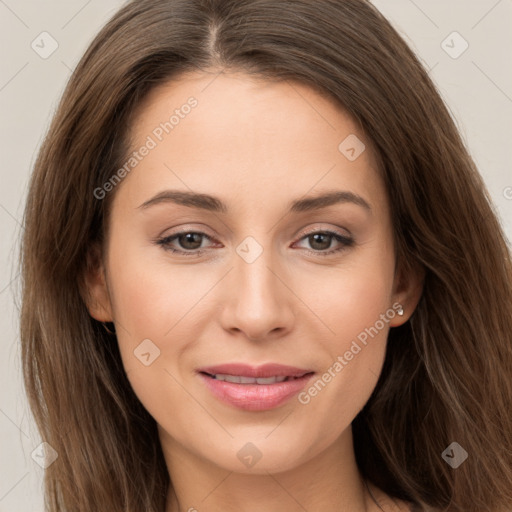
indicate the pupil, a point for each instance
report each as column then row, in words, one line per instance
column 189, row 238
column 315, row 240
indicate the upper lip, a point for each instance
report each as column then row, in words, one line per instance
column 246, row 370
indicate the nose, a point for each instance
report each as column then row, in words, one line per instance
column 258, row 299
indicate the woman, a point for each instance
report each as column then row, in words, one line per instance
column 261, row 272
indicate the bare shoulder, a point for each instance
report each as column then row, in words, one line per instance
column 388, row 503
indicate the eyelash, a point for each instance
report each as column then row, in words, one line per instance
column 165, row 242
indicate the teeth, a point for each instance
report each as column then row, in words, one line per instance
column 248, row 380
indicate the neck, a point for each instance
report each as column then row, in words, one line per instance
column 329, row 481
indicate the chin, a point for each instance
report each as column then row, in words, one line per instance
column 260, row 456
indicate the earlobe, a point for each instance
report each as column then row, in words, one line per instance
column 408, row 291
column 94, row 287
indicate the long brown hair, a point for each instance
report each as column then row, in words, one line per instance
column 447, row 376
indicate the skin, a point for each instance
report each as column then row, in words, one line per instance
column 256, row 145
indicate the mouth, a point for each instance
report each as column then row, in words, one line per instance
column 254, row 388
column 240, row 379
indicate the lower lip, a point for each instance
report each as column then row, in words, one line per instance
column 255, row 397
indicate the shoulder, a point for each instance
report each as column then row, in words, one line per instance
column 390, row 504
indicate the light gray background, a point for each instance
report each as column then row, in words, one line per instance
column 477, row 86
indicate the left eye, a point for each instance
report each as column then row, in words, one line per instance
column 322, row 240
column 190, row 242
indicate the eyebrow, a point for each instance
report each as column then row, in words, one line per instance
column 214, row 204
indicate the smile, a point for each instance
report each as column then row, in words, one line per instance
column 254, row 388
column 239, row 379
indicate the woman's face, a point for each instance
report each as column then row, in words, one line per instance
column 270, row 279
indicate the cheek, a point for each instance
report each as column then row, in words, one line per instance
column 150, row 293
column 352, row 296
column 355, row 303
column 150, row 302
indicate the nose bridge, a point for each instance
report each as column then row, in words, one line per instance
column 259, row 303
column 254, row 277
column 256, row 283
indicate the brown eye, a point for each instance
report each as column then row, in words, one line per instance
column 320, row 242
column 190, row 241
column 187, row 243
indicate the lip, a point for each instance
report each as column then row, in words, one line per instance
column 255, row 397
column 265, row 370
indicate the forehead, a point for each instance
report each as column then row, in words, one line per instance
column 241, row 133
column 235, row 97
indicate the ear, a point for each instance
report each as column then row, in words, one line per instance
column 408, row 287
column 94, row 287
